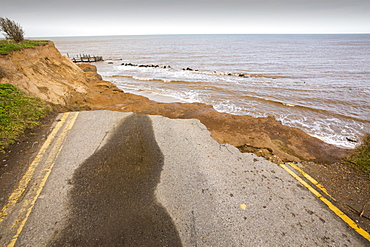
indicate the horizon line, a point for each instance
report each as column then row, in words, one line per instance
column 169, row 34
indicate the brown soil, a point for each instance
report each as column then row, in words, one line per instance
column 348, row 186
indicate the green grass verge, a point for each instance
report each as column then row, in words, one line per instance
column 360, row 159
column 17, row 113
column 9, row 46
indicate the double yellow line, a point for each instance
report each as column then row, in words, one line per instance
column 46, row 157
column 331, row 206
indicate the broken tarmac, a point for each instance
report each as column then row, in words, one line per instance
column 108, row 178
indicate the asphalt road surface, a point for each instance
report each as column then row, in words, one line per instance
column 120, row 179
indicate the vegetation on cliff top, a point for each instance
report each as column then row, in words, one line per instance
column 11, row 30
column 14, row 35
column 360, row 159
column 17, row 113
column 7, row 46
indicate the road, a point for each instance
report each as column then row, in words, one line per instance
column 107, row 178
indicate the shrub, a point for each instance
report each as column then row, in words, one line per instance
column 11, row 30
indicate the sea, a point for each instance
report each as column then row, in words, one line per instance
column 318, row 83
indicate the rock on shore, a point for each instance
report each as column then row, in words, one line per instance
column 43, row 72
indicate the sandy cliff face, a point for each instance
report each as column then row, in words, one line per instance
column 43, row 72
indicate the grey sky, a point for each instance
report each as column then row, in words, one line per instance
column 119, row 17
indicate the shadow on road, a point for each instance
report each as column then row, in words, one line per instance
column 112, row 202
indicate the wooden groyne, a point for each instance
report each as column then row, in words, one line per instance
column 86, row 58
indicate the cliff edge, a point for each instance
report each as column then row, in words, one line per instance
column 43, row 72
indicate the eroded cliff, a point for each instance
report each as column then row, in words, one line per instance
column 43, row 72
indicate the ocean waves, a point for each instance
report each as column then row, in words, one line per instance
column 308, row 82
column 244, row 95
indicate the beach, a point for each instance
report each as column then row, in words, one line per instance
column 55, row 79
column 317, row 83
column 266, row 137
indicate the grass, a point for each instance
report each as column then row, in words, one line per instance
column 17, row 113
column 360, row 159
column 7, row 46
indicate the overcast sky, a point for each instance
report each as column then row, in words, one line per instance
column 46, row 18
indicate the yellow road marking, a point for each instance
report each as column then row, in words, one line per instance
column 312, row 180
column 29, row 204
column 23, row 183
column 336, row 210
column 48, row 163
